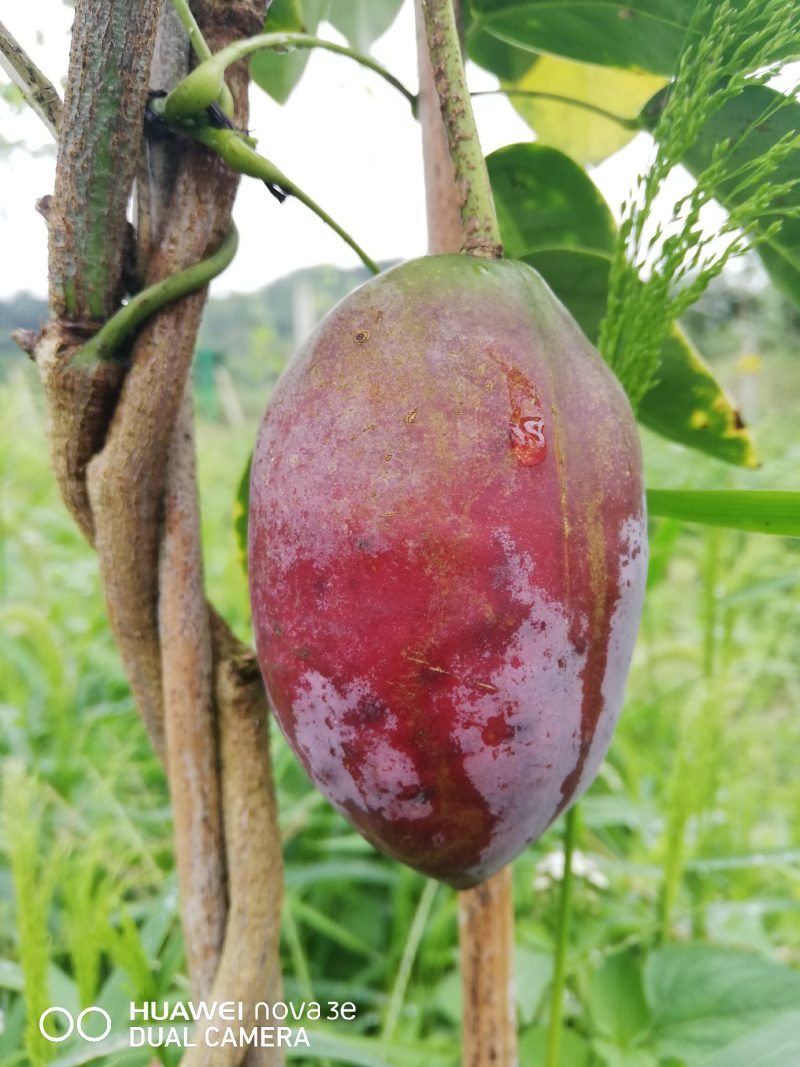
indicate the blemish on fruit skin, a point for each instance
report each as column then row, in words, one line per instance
column 378, row 776
column 525, row 422
column 411, row 416
column 361, row 337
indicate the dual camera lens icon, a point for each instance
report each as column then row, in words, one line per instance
column 74, row 1024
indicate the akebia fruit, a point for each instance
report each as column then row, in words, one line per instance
column 447, row 560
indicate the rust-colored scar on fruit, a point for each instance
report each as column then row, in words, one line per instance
column 525, row 423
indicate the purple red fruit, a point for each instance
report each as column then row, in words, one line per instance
column 447, row 560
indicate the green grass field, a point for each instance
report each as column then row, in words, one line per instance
column 684, row 945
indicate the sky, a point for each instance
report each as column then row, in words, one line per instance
column 345, row 137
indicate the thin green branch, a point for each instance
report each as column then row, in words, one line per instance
column 562, row 943
column 584, row 105
column 202, row 86
column 108, row 339
column 37, row 90
column 242, row 157
column 476, row 207
column 236, row 149
column 201, row 50
column 189, row 23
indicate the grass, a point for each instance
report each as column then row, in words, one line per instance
column 688, row 846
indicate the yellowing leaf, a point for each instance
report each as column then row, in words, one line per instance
column 582, row 134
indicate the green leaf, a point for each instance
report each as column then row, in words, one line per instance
column 241, row 506
column 502, row 59
column 613, row 1056
column 544, row 200
column 756, row 511
column 580, row 281
column 741, row 120
column 276, row 73
column 638, row 35
column 552, row 216
column 688, row 405
column 702, row 997
column 615, row 998
column 775, row 1045
column 533, row 974
column 583, row 134
column 574, row 1050
column 362, row 22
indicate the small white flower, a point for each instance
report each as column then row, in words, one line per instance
column 551, row 869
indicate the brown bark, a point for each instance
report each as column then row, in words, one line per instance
column 249, row 969
column 123, row 449
column 80, row 403
column 472, row 192
column 444, row 222
column 126, row 479
column 189, row 713
column 486, row 935
column 110, row 56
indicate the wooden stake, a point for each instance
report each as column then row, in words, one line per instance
column 486, row 935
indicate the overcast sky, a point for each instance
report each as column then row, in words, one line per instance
column 345, row 136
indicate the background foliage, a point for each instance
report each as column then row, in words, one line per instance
column 685, row 940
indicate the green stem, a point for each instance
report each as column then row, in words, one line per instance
column 475, row 204
column 106, row 342
column 202, row 51
column 231, row 146
column 189, row 22
column 584, row 105
column 562, row 943
column 407, row 961
column 200, row 88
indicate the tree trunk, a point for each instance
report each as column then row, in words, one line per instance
column 122, row 445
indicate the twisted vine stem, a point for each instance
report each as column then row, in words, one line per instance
column 108, row 340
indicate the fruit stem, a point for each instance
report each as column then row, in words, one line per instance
column 486, row 940
column 562, row 943
column 475, row 203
